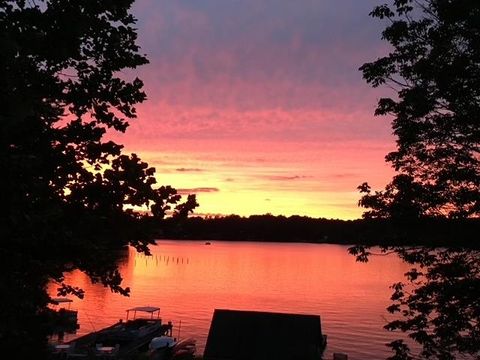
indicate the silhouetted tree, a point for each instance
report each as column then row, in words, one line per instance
column 68, row 194
column 434, row 68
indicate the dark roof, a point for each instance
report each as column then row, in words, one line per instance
column 254, row 335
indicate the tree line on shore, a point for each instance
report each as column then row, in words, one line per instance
column 426, row 231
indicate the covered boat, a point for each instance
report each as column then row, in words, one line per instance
column 168, row 348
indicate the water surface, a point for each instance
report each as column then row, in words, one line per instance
column 189, row 279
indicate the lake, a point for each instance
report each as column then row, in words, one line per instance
column 189, row 279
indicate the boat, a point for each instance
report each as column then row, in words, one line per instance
column 63, row 320
column 122, row 340
column 62, row 306
column 168, row 348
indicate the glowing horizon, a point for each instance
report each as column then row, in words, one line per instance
column 258, row 106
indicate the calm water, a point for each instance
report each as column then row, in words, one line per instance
column 188, row 280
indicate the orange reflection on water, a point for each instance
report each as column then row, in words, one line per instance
column 189, row 279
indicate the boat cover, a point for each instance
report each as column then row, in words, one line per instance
column 149, row 309
column 161, row 342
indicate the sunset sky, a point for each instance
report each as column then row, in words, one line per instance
column 257, row 106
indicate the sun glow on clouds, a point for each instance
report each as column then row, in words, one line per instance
column 257, row 177
column 257, row 105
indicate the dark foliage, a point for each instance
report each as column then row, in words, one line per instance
column 434, row 68
column 435, row 72
column 438, row 305
column 382, row 232
column 68, row 194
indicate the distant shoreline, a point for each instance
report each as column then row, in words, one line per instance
column 435, row 232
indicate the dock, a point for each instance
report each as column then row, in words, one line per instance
column 121, row 340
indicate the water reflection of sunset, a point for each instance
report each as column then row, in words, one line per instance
column 188, row 280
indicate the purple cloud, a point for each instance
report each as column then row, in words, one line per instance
column 189, row 170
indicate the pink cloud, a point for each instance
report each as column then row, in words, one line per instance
column 263, row 100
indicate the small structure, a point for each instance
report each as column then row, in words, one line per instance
column 60, row 305
column 63, row 320
column 61, row 300
column 255, row 335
